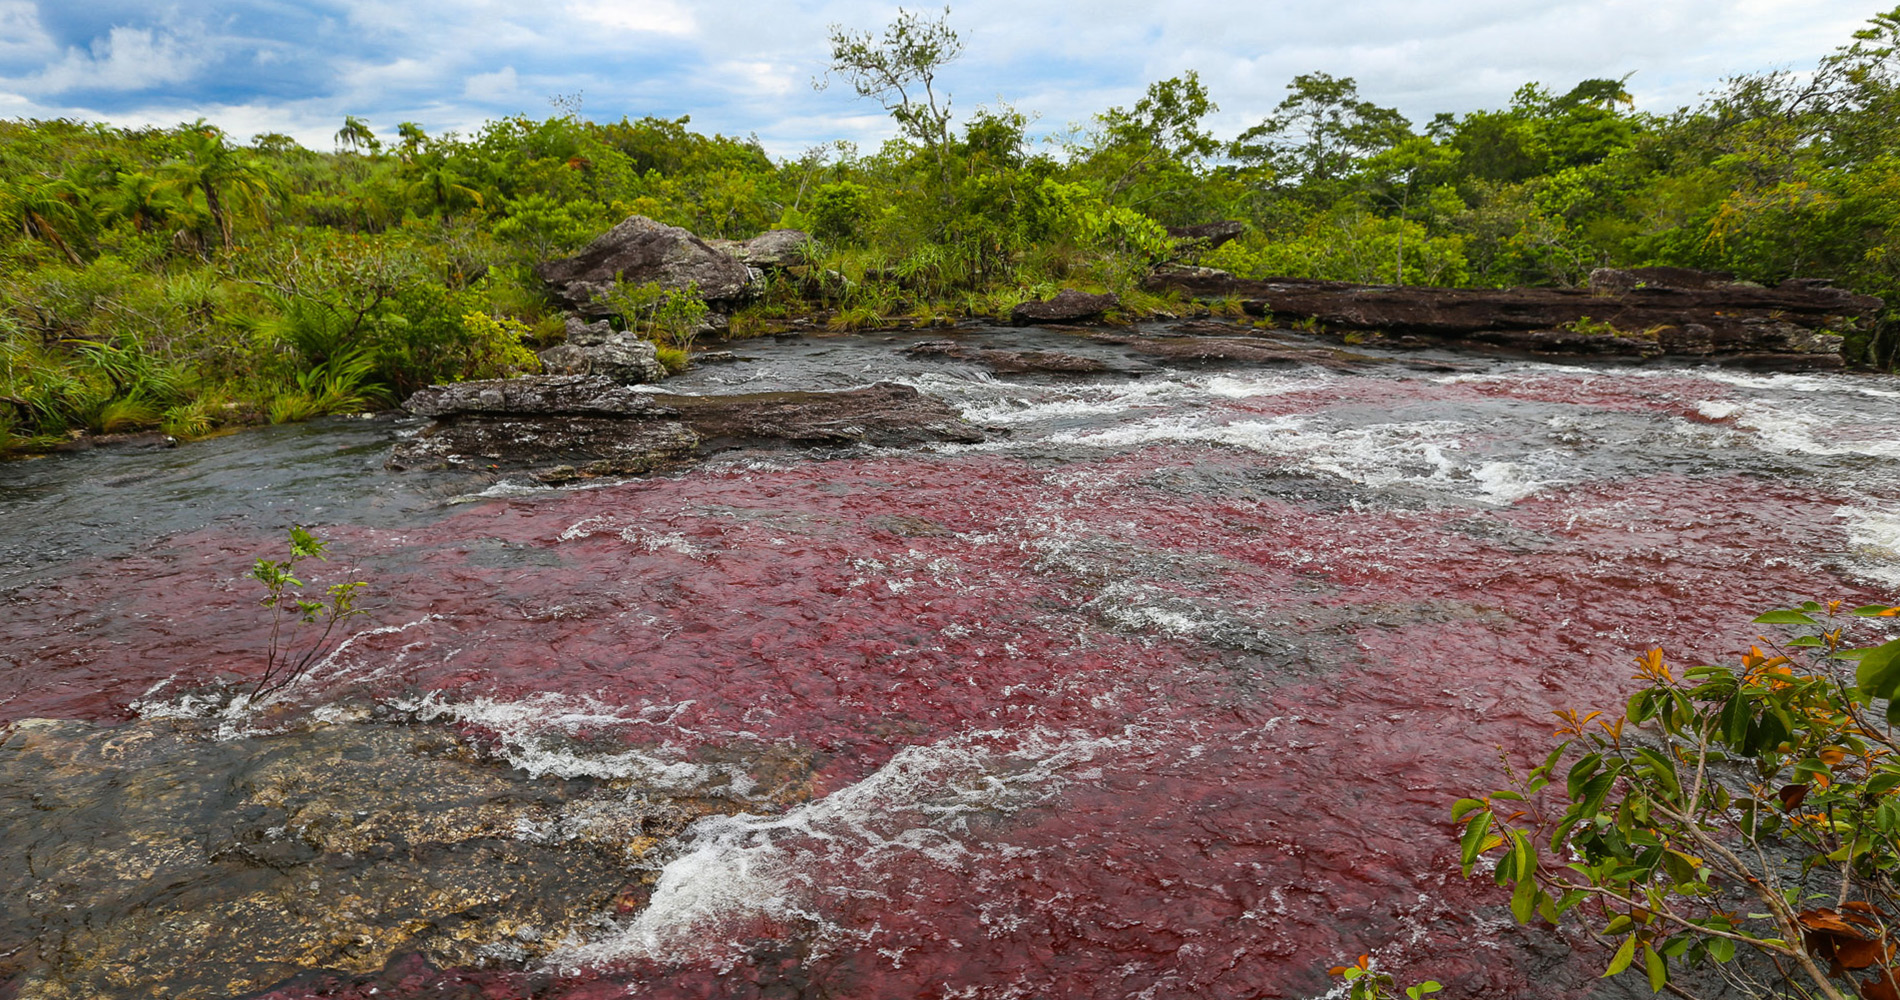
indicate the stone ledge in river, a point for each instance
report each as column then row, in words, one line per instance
column 1638, row 314
column 154, row 859
column 1066, row 306
column 1008, row 362
column 642, row 250
column 606, row 428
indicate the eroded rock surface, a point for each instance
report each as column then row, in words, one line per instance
column 598, row 349
column 1651, row 313
column 603, row 427
column 153, row 860
column 772, row 248
column 1066, row 306
column 642, row 251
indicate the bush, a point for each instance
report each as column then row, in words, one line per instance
column 1751, row 806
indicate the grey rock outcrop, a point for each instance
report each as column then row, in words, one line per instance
column 772, row 248
column 605, row 428
column 642, row 250
column 598, row 349
column 1066, row 306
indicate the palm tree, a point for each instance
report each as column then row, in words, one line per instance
column 141, row 199
column 211, row 166
column 36, row 204
column 439, row 181
column 356, row 134
column 413, row 138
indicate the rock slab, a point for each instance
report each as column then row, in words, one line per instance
column 1066, row 306
column 1659, row 312
column 606, row 428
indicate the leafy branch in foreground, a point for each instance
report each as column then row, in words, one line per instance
column 1753, row 806
column 288, row 606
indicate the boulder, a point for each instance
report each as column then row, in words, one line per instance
column 642, row 250
column 1067, row 306
column 772, row 248
column 598, row 349
column 1640, row 313
column 603, row 427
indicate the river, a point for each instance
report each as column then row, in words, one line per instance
column 1163, row 690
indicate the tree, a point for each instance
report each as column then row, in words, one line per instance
column 899, row 71
column 211, row 167
column 1321, row 131
column 1163, row 130
column 356, row 135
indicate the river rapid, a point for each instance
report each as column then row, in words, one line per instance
column 1164, row 690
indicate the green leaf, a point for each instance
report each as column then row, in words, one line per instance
column 1784, row 618
column 1879, row 670
column 1722, row 949
column 1625, row 954
column 1658, row 970
column 1524, row 899
column 1473, row 840
column 1463, row 806
column 1872, row 610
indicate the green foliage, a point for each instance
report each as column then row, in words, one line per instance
column 1363, row 982
column 671, row 316
column 284, row 597
column 1751, row 806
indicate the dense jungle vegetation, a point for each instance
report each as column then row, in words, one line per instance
column 183, row 279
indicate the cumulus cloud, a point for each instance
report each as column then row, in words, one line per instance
column 125, row 59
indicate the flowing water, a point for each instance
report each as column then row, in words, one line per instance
column 1163, row 690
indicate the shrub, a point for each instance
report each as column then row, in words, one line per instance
column 1752, row 805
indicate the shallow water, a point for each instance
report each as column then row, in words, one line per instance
column 1165, row 689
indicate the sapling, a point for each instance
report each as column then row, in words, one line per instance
column 285, row 598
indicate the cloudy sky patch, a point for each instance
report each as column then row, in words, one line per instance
column 299, row 66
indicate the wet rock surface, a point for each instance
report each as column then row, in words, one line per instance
column 1066, row 306
column 155, row 860
column 605, row 428
column 1655, row 312
column 1008, row 361
column 1218, row 342
column 642, row 250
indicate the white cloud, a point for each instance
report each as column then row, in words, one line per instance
column 126, row 59
column 488, row 88
column 663, row 17
column 21, row 35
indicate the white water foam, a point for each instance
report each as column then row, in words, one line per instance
column 1791, row 432
column 537, row 734
column 1426, row 453
column 919, row 805
column 1873, row 539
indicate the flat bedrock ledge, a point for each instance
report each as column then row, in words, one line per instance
column 610, row 428
column 1640, row 313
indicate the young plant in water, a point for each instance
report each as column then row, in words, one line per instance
column 1741, row 816
column 288, row 606
column 1363, row 982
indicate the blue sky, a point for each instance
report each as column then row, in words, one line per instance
column 299, row 66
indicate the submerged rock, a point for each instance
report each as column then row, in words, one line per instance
column 1652, row 312
column 642, row 250
column 1007, row 361
column 1066, row 306
column 604, row 428
column 155, row 860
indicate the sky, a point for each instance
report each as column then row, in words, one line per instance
column 741, row 67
